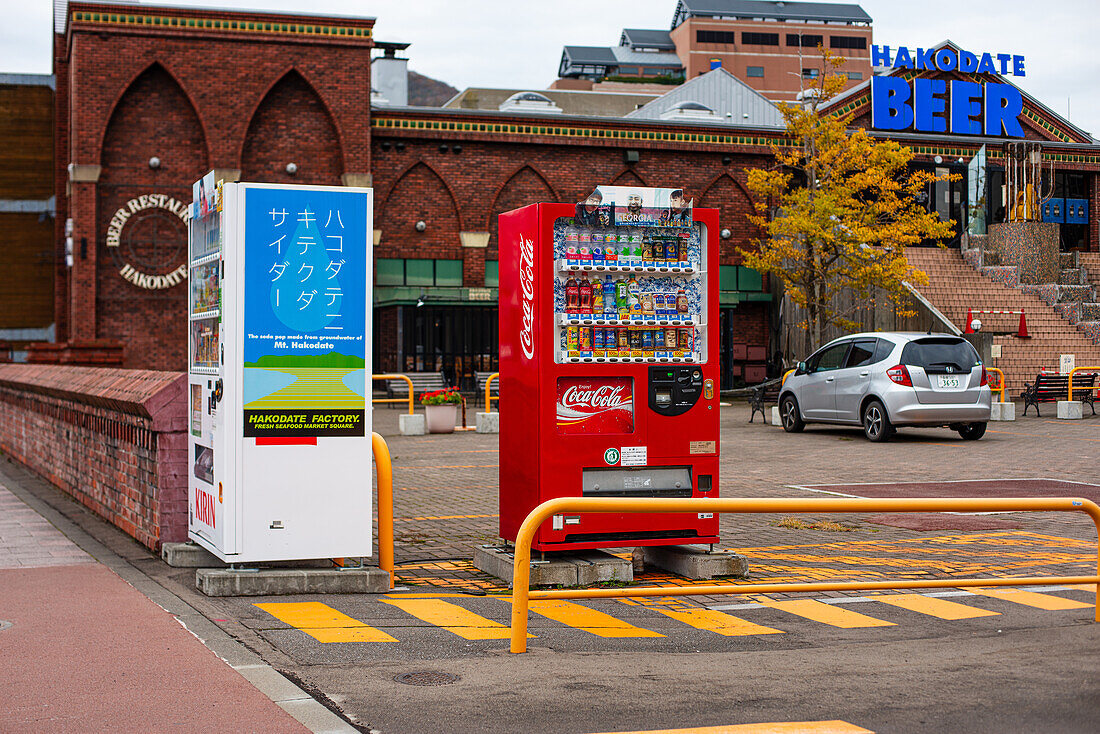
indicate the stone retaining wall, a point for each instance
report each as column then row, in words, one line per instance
column 113, row 439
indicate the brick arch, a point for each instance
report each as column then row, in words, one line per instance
column 628, row 177
column 153, row 106
column 525, row 186
column 292, row 124
column 733, row 202
column 419, row 193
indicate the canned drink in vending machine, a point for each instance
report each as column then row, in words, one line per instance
column 597, row 338
column 671, row 340
column 572, row 342
column 647, row 340
column 659, row 339
column 585, row 333
column 623, row 336
column 659, row 250
column 635, row 337
column 686, row 337
column 672, row 251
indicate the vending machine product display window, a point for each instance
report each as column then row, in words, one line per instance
column 606, row 308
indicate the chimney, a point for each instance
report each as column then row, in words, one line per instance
column 390, row 75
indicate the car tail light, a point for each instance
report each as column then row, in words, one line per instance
column 985, row 377
column 900, row 375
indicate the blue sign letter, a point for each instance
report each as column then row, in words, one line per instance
column 889, row 108
column 1018, row 66
column 966, row 108
column 927, row 108
column 946, row 60
column 1003, row 104
column 880, row 58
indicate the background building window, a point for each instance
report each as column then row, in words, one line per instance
column 855, row 75
column 811, row 73
column 809, row 41
column 492, row 273
column 716, row 37
column 628, row 70
column 418, row 272
column 760, row 39
column 755, row 71
column 847, row 42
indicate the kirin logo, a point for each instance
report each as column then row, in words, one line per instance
column 527, row 291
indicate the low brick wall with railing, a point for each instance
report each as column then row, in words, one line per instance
column 115, row 440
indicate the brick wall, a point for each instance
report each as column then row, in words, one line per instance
column 115, row 440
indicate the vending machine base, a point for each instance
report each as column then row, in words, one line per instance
column 580, row 568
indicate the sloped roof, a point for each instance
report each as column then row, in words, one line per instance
column 625, row 55
column 646, row 38
column 590, row 55
column 732, row 100
column 767, row 9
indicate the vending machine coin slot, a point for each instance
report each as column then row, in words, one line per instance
column 706, row 483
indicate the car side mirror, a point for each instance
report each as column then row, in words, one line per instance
column 801, row 368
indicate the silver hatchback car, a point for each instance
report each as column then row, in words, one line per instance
column 883, row 380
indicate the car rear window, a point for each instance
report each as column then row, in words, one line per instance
column 940, row 355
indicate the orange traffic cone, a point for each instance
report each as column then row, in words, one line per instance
column 1022, row 333
column 969, row 318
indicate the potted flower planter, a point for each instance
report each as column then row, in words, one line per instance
column 440, row 418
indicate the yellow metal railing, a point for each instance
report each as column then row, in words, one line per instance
column 1083, row 387
column 395, row 400
column 383, row 467
column 521, row 578
column 488, row 397
column 1000, row 382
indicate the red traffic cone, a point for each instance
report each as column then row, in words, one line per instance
column 1022, row 333
column 969, row 318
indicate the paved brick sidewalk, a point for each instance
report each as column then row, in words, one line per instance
column 28, row 541
column 445, row 500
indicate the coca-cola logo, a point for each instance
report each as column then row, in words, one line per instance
column 599, row 398
column 527, row 292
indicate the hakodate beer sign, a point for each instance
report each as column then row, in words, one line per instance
column 958, row 106
column 147, row 237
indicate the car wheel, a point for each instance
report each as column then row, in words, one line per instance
column 788, row 412
column 972, row 431
column 876, row 424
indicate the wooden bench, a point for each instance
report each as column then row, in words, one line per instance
column 422, row 382
column 762, row 394
column 1049, row 388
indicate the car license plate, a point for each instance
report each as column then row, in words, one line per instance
column 948, row 382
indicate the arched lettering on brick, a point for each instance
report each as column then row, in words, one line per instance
column 292, row 124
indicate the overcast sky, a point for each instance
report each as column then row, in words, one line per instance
column 517, row 43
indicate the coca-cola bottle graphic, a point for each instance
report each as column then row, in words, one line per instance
column 572, row 296
column 585, row 292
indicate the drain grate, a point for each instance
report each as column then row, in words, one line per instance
column 426, row 678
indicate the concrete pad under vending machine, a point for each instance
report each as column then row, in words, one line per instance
column 558, row 569
column 694, row 562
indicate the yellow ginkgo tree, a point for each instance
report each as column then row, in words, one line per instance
column 837, row 212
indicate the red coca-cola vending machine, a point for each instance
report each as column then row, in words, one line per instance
column 609, row 364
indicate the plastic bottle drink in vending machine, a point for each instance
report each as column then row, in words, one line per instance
column 623, row 247
column 622, row 299
column 634, row 249
column 681, row 303
column 597, row 297
column 571, row 236
column 572, row 296
column 585, row 337
column 635, row 297
column 584, row 289
column 609, row 297
column 584, row 246
column 572, row 341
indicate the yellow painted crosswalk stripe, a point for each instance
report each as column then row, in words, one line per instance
column 581, row 617
column 934, row 606
column 323, row 623
column 717, row 622
column 1033, row 599
column 773, row 727
column 453, row 618
column 830, row 614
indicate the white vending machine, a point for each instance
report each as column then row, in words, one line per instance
column 279, row 345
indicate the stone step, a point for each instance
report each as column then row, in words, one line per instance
column 1091, row 329
column 1067, row 260
column 1072, row 276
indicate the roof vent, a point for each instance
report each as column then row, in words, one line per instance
column 529, row 102
column 688, row 111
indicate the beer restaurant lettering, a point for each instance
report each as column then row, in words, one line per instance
column 150, row 281
column 958, row 106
